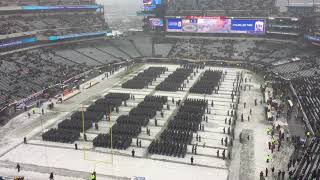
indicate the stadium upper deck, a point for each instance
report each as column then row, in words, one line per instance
column 44, row 2
column 246, row 8
column 41, row 19
column 218, row 7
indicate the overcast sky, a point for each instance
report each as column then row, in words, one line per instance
column 123, row 7
column 122, row 14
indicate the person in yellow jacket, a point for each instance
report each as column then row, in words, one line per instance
column 308, row 134
column 93, row 176
column 268, row 131
column 268, row 159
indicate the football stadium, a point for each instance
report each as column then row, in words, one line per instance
column 160, row 89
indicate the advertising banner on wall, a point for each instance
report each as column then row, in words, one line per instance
column 156, row 22
column 312, row 38
column 11, row 43
column 248, row 26
column 151, row 4
column 33, row 8
column 72, row 36
column 174, row 24
column 215, row 25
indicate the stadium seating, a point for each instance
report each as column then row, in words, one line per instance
column 78, row 22
column 50, row 66
column 308, row 90
column 309, row 165
column 218, row 7
column 281, row 55
column 45, row 2
column 37, row 69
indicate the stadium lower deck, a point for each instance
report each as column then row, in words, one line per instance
column 37, row 157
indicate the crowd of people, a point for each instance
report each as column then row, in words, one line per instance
column 128, row 127
column 285, row 59
column 218, row 7
column 84, row 120
column 38, row 69
column 178, row 134
column 174, row 81
column 228, row 49
column 51, row 66
column 62, row 23
column 208, row 82
column 143, row 79
column 61, row 135
column 303, row 162
column 33, row 71
column 45, row 2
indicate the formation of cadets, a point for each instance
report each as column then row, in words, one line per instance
column 208, row 82
column 174, row 81
column 174, row 139
column 69, row 129
column 124, row 130
column 61, row 135
column 144, row 78
column 135, row 120
column 178, row 134
column 192, row 66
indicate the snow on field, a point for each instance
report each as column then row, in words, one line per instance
column 123, row 166
column 31, row 175
column 39, row 157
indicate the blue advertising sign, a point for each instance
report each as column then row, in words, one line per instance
column 312, row 38
column 151, row 4
column 70, row 36
column 247, row 26
column 60, row 7
column 156, row 2
column 174, row 24
column 212, row 24
column 149, row 8
column 18, row 42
